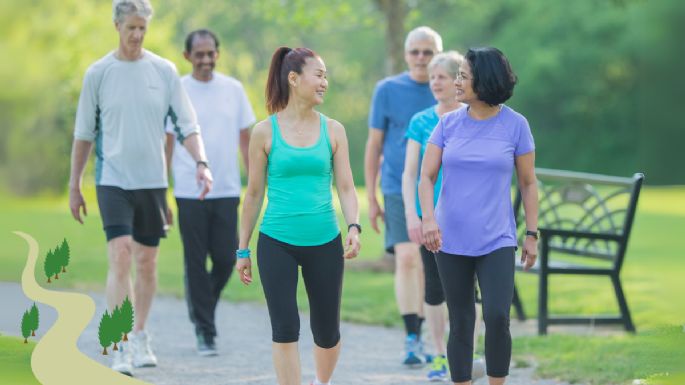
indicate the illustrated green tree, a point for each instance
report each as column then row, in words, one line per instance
column 34, row 318
column 62, row 252
column 105, row 332
column 117, row 326
column 26, row 326
column 49, row 266
column 126, row 311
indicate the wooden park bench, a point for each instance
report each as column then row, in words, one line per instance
column 585, row 222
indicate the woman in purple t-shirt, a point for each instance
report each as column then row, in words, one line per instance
column 472, row 229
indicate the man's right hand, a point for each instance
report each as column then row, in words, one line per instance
column 375, row 212
column 76, row 203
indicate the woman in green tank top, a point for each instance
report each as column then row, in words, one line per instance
column 296, row 152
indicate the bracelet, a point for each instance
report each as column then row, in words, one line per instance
column 202, row 163
column 357, row 225
column 242, row 253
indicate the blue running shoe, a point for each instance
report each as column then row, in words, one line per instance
column 438, row 370
column 413, row 357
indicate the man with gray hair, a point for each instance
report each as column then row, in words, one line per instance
column 125, row 99
column 395, row 100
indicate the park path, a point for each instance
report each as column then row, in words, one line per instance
column 56, row 358
column 370, row 354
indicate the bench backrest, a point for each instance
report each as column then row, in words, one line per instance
column 593, row 203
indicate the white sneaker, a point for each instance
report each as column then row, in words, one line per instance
column 121, row 360
column 141, row 351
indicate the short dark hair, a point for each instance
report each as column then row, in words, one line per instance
column 493, row 78
column 203, row 33
column 283, row 61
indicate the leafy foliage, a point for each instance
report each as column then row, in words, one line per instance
column 50, row 266
column 26, row 326
column 126, row 318
column 105, row 332
column 599, row 80
column 34, row 318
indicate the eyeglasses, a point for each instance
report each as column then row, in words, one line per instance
column 425, row 52
column 462, row 78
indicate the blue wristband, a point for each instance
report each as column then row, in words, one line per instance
column 242, row 253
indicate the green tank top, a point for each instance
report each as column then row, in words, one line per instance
column 300, row 203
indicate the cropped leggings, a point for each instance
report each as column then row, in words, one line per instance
column 495, row 272
column 322, row 271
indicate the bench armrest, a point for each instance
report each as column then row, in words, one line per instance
column 547, row 233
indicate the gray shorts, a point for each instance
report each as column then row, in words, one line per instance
column 140, row 213
column 395, row 222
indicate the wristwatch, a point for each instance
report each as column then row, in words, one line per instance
column 357, row 225
column 202, row 163
column 533, row 233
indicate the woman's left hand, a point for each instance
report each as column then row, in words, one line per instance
column 529, row 252
column 352, row 244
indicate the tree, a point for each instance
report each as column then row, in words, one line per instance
column 34, row 318
column 26, row 326
column 126, row 318
column 117, row 326
column 49, row 265
column 395, row 13
column 62, row 253
column 105, row 332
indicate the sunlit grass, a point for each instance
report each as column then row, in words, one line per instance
column 652, row 278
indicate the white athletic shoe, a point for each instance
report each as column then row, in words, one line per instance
column 140, row 349
column 121, row 360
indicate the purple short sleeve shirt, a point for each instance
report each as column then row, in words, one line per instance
column 474, row 211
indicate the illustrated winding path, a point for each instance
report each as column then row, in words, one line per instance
column 56, row 360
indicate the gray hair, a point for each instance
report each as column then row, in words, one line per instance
column 423, row 33
column 123, row 8
column 450, row 61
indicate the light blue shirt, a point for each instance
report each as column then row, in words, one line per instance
column 421, row 127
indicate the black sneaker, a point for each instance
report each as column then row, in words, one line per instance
column 205, row 345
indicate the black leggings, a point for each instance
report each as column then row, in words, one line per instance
column 322, row 271
column 433, row 294
column 495, row 272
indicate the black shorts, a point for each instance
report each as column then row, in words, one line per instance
column 140, row 213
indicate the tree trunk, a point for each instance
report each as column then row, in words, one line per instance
column 64, row 269
column 395, row 12
column 26, row 341
column 125, row 337
column 49, row 280
column 115, row 346
column 33, row 333
column 104, row 351
column 56, row 276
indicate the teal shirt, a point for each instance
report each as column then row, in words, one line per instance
column 300, row 208
column 420, row 129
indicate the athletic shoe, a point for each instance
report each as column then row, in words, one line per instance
column 478, row 369
column 438, row 370
column 121, row 360
column 206, row 346
column 413, row 357
column 141, row 351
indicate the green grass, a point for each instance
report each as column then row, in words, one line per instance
column 15, row 361
column 652, row 278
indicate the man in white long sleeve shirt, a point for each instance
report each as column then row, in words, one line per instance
column 125, row 100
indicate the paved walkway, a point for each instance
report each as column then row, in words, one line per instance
column 370, row 354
